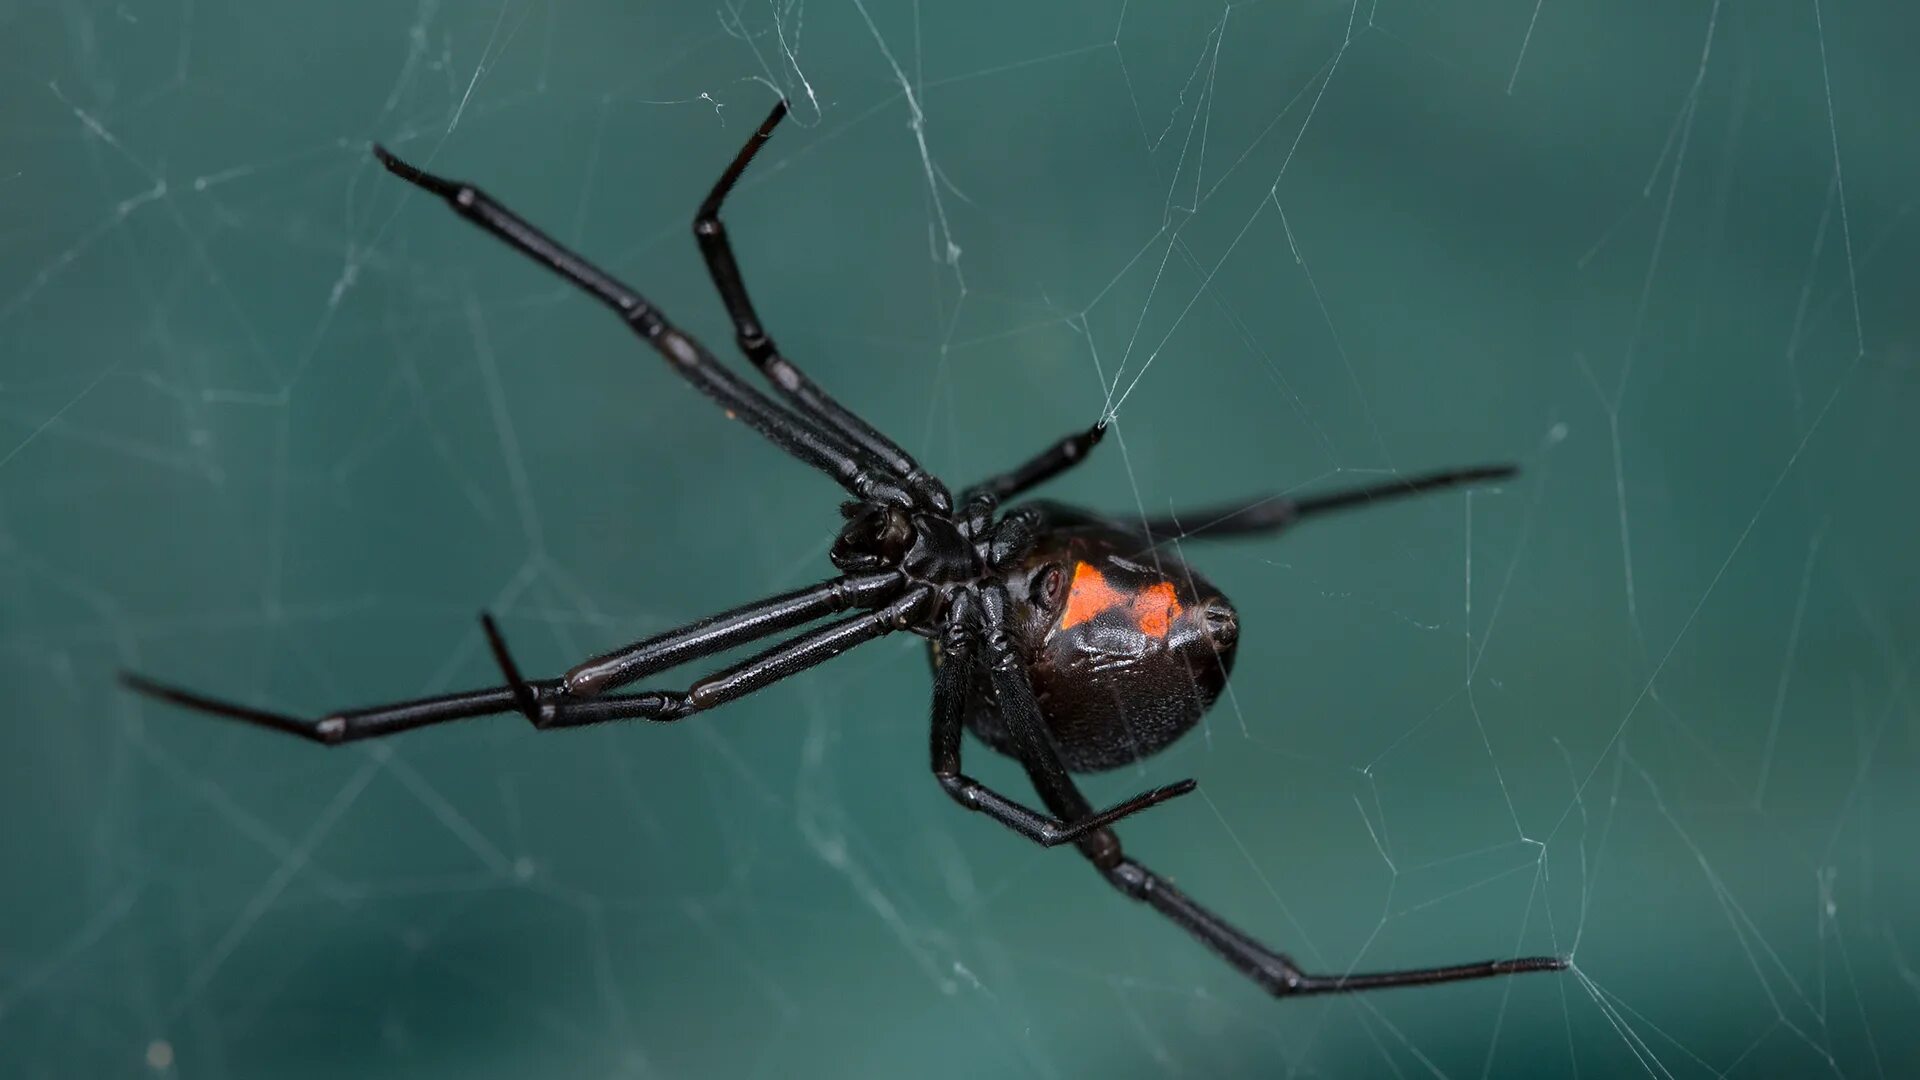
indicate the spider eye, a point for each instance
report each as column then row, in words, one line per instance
column 1048, row 585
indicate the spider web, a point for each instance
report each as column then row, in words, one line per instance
column 274, row 426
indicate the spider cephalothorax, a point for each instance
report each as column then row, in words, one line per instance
column 1061, row 638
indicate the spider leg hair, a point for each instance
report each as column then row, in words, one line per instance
column 695, row 641
column 952, row 684
column 1273, row 513
column 850, row 467
column 760, row 349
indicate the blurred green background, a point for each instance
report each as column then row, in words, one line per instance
column 275, row 426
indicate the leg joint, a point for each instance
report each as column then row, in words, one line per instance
column 760, row 352
column 959, row 788
column 646, row 320
column 1125, row 874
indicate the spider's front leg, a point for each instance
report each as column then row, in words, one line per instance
column 758, row 345
column 861, row 475
column 953, row 682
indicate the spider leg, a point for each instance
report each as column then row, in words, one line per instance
column 1275, row 972
column 796, row 435
column 353, row 724
column 952, row 684
column 981, row 499
column 1273, row 513
column 696, row 640
column 714, row 633
column 758, row 345
column 790, row 657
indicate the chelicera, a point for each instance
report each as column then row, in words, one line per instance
column 1066, row 640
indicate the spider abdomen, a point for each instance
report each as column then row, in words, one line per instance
column 1135, row 723
column 1126, row 646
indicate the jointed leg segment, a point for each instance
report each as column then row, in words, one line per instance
column 1275, row 972
column 1039, row 469
column 821, row 449
column 550, row 703
column 787, row 658
column 715, row 633
column 758, row 345
column 1276, row 512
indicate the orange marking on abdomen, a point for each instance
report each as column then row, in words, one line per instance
column 1155, row 609
column 1089, row 595
column 1152, row 609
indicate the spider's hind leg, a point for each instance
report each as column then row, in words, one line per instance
column 1275, row 972
column 1274, row 513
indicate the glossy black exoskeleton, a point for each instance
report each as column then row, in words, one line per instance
column 1065, row 640
column 1126, row 645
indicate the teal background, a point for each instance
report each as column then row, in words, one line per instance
column 276, row 427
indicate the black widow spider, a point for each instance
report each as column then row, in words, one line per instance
column 1050, row 639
